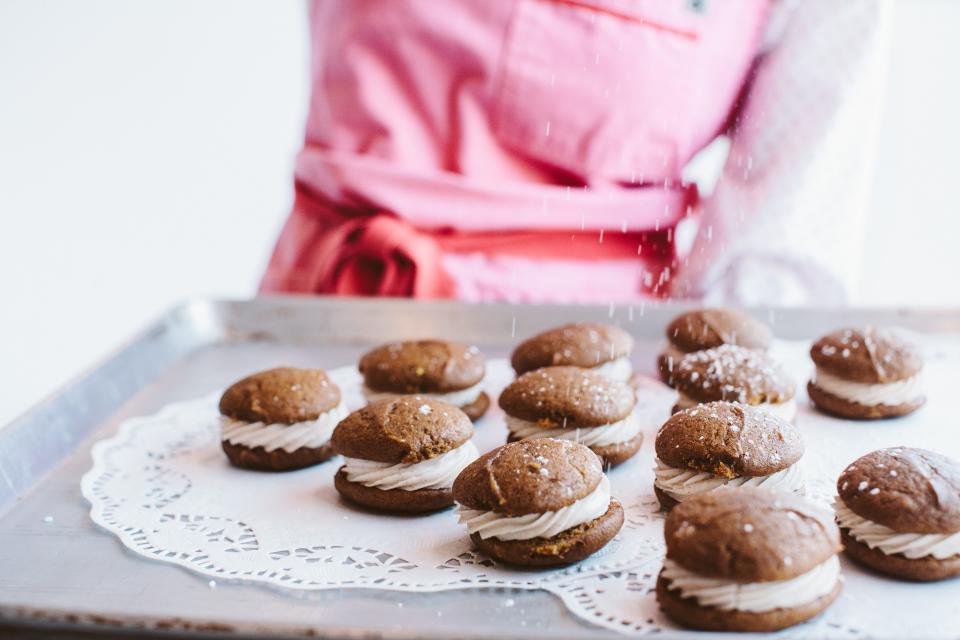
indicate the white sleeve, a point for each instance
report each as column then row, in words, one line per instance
column 784, row 225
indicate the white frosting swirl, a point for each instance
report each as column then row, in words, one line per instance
column 459, row 398
column 490, row 524
column 614, row 433
column 912, row 545
column 435, row 473
column 289, row 437
column 728, row 595
column 785, row 410
column 868, row 394
column 619, row 369
column 680, row 484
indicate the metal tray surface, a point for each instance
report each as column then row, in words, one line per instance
column 60, row 575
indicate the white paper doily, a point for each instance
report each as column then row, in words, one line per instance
column 163, row 486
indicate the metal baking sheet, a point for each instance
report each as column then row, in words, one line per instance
column 60, row 574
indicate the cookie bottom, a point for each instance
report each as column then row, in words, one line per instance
column 393, row 500
column 689, row 613
column 831, row 404
column 666, row 502
column 260, row 459
column 614, row 454
column 926, row 569
column 566, row 547
column 478, row 407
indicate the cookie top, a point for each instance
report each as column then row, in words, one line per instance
column 908, row 490
column 749, row 534
column 733, row 373
column 707, row 328
column 583, row 344
column 567, row 397
column 280, row 396
column 422, row 366
column 870, row 355
column 402, row 429
column 529, row 476
column 729, row 440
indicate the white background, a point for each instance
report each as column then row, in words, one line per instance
column 146, row 152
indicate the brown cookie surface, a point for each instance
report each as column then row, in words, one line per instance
column 567, row 547
column 708, row 328
column 567, row 397
column 529, row 476
column 405, row 429
column 394, row 500
column 749, row 534
column 734, row 374
column 729, row 440
column 927, row 569
column 285, row 395
column 908, row 490
column 422, row 366
column 260, row 459
column 583, row 344
column 869, row 355
column 831, row 404
column 478, row 407
column 610, row 455
column 689, row 613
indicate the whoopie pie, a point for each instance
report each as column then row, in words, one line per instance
column 748, row 559
column 571, row 403
column 899, row 513
column 708, row 328
column 599, row 347
column 403, row 453
column 450, row 372
column 538, row 503
column 726, row 444
column 736, row 374
column 280, row 420
column 866, row 373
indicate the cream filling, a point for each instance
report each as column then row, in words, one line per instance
column 785, row 410
column 460, row 398
column 727, row 595
column 912, row 545
column 489, row 524
column 614, row 433
column 289, row 437
column 868, row 394
column 619, row 369
column 680, row 484
column 435, row 473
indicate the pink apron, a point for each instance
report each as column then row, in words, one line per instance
column 508, row 149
